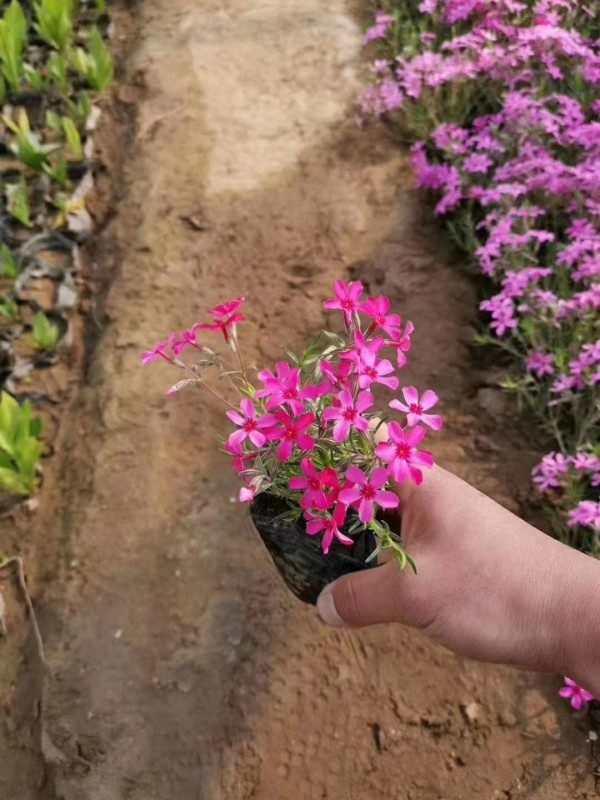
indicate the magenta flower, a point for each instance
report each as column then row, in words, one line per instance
column 578, row 696
column 348, row 414
column 291, row 432
column 314, row 483
column 246, row 494
column 336, row 374
column 185, row 339
column 225, row 316
column 540, row 363
column 415, row 410
column 374, row 370
column 284, row 388
column 330, row 524
column 401, row 454
column 250, row 427
column 224, row 310
column 159, row 351
column 403, row 345
column 347, row 296
column 367, row 491
column 377, row 308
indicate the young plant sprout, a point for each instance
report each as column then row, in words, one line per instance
column 310, row 432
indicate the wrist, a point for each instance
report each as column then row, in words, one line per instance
column 581, row 622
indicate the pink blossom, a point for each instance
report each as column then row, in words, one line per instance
column 377, row 308
column 336, row 374
column 348, row 414
column 226, row 325
column 540, row 363
column 224, row 310
column 367, row 491
column 374, row 370
column 331, row 525
column 291, row 432
column 187, row 339
column 416, row 409
column 347, row 297
column 403, row 345
column 159, row 350
column 250, row 426
column 314, row 483
column 247, row 494
column 578, row 696
column 284, row 388
column 587, row 514
column 401, row 454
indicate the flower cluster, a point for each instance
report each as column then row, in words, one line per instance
column 503, row 97
column 310, row 433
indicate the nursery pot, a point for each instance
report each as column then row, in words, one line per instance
column 299, row 557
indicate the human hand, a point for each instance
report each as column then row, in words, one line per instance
column 489, row 586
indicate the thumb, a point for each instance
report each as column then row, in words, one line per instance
column 381, row 594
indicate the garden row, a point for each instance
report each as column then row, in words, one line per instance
column 53, row 63
column 501, row 101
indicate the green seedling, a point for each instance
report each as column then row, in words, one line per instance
column 96, row 64
column 58, row 171
column 73, row 138
column 18, row 202
column 8, row 264
column 57, row 71
column 9, row 308
column 27, row 146
column 13, row 35
column 45, row 333
column 55, row 22
column 20, row 448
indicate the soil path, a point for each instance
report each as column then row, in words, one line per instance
column 182, row 667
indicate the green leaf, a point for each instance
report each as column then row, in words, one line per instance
column 13, row 482
column 73, row 138
column 45, row 333
column 55, row 22
column 18, row 202
column 8, row 265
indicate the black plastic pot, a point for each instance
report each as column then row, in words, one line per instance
column 299, row 557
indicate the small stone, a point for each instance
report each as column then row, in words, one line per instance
column 472, row 712
column 118, row 634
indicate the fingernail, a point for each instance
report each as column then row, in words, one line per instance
column 327, row 610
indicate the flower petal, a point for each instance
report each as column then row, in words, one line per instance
column 429, row 400
column 356, row 475
column 410, row 395
column 387, row 499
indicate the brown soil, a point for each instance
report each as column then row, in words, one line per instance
column 181, row 667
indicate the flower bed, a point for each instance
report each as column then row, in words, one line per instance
column 501, row 99
column 53, row 63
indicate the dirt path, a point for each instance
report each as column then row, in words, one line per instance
column 182, row 667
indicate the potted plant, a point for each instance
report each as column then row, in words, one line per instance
column 317, row 468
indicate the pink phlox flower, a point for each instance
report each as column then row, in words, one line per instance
column 382, row 23
column 546, row 475
column 403, row 345
column 284, row 388
column 586, row 462
column 369, row 367
column 290, row 432
column 331, row 525
column 401, row 455
column 377, row 309
column 540, row 363
column 314, row 483
column 585, row 513
column 347, row 414
column 367, row 491
column 226, row 325
column 578, row 696
column 336, row 375
column 347, row 297
column 186, row 339
column 246, row 494
column 159, row 350
column 415, row 408
column 250, row 426
column 225, row 310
